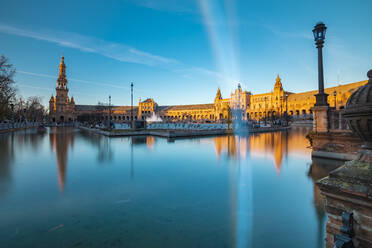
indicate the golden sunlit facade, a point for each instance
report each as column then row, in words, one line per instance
column 278, row 102
column 241, row 105
column 272, row 104
column 146, row 108
column 268, row 104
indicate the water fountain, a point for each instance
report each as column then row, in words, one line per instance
column 153, row 118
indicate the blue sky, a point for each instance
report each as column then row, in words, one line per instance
column 180, row 51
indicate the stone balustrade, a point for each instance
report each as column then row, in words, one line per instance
column 17, row 125
column 187, row 126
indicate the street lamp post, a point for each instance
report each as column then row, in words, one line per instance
column 286, row 108
column 319, row 32
column 131, row 101
column 109, row 112
column 265, row 110
column 335, row 95
column 321, row 106
column 281, row 107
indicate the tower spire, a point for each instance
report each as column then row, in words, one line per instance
column 218, row 95
column 278, row 82
column 62, row 81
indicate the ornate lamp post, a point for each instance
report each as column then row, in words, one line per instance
column 334, row 95
column 131, row 101
column 319, row 32
column 321, row 107
column 286, row 108
column 265, row 109
column 281, row 106
column 109, row 112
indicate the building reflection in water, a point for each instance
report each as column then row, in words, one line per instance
column 102, row 143
column 131, row 160
column 60, row 141
column 320, row 168
column 148, row 141
column 11, row 145
column 273, row 145
column 104, row 149
column 6, row 161
column 276, row 145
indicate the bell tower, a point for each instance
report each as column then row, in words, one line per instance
column 61, row 108
column 62, row 81
column 61, row 88
column 218, row 95
column 278, row 83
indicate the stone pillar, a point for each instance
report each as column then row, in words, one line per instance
column 348, row 189
column 320, row 122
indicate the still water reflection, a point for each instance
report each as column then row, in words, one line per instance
column 66, row 188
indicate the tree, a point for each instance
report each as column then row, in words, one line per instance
column 35, row 110
column 7, row 88
column 32, row 109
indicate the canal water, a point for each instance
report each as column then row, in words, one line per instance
column 68, row 188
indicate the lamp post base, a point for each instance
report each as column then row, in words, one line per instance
column 321, row 99
column 320, row 122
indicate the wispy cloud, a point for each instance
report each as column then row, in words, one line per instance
column 117, row 51
column 75, row 93
column 36, row 74
column 299, row 34
column 105, row 84
column 178, row 6
column 33, row 87
column 190, row 72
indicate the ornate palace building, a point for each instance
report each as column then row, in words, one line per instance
column 241, row 105
column 61, row 108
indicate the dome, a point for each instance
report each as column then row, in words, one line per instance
column 358, row 112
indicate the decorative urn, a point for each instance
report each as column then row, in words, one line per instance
column 358, row 114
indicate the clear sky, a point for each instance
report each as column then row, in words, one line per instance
column 180, row 51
